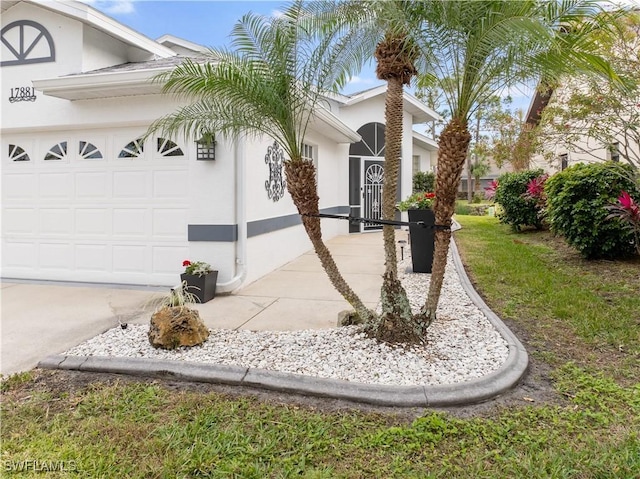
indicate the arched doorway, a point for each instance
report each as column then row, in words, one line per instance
column 366, row 175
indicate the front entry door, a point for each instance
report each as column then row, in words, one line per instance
column 373, row 178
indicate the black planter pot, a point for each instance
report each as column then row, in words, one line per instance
column 422, row 240
column 203, row 287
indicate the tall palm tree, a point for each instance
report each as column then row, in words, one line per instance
column 486, row 46
column 270, row 82
column 381, row 27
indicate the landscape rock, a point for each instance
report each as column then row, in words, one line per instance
column 173, row 327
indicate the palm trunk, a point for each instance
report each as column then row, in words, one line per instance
column 392, row 149
column 396, row 324
column 301, row 183
column 453, row 147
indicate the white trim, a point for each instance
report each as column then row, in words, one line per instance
column 421, row 112
column 101, row 85
column 181, row 42
column 335, row 128
column 424, row 141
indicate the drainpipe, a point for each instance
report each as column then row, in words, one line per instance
column 240, row 218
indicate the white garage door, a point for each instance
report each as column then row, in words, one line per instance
column 99, row 206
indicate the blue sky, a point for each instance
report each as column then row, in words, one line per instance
column 209, row 22
column 206, row 22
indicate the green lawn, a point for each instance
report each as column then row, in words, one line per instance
column 580, row 318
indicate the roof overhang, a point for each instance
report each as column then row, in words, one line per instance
column 90, row 16
column 424, row 141
column 326, row 123
column 90, row 86
column 421, row 113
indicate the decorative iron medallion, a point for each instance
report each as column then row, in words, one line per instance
column 276, row 184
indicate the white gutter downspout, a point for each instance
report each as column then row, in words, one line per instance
column 240, row 217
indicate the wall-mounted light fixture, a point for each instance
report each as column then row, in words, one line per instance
column 206, row 147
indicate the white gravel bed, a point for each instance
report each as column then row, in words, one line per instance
column 462, row 345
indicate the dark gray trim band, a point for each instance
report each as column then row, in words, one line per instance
column 260, row 227
column 227, row 233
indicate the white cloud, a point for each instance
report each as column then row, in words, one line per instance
column 114, row 7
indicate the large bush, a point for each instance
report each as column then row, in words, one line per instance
column 424, row 181
column 518, row 208
column 576, row 208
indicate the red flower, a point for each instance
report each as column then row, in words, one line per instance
column 186, row 262
column 628, row 204
column 429, row 196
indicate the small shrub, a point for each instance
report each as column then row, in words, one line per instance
column 577, row 201
column 424, row 181
column 462, row 209
column 518, row 208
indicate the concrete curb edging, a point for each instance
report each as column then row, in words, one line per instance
column 470, row 392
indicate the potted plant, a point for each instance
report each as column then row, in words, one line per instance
column 199, row 279
column 421, row 232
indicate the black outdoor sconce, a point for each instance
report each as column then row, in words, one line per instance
column 206, row 147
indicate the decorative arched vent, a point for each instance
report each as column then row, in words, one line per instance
column 372, row 143
column 168, row 148
column 26, row 41
column 132, row 149
column 17, row 153
column 89, row 151
column 57, row 152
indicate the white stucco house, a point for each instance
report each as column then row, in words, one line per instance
column 85, row 199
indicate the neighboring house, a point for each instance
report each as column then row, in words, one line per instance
column 86, row 198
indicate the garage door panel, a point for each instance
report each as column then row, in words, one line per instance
column 93, row 222
column 18, row 187
column 19, row 254
column 92, row 185
column 92, row 257
column 55, row 185
column 130, row 184
column 129, row 258
column 170, row 223
column 56, row 256
column 56, row 221
column 128, row 222
column 170, row 184
column 19, row 221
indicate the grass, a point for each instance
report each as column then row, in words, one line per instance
column 137, row 429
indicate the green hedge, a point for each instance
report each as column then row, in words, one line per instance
column 424, row 181
column 576, row 200
column 518, row 210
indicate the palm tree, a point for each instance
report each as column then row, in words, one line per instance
column 381, row 28
column 485, row 47
column 270, row 82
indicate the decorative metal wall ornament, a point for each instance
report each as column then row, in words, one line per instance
column 276, row 184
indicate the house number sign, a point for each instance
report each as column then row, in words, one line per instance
column 22, row 93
